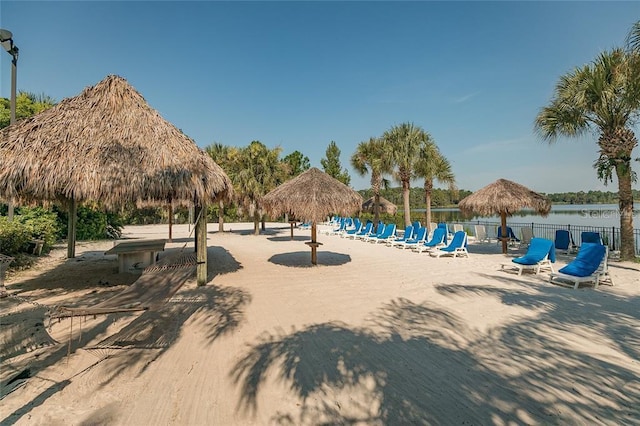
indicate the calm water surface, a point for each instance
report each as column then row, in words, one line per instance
column 606, row 215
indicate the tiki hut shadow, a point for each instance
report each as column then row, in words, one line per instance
column 268, row 231
column 90, row 270
column 417, row 364
column 288, row 238
column 300, row 259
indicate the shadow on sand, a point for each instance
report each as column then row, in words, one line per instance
column 143, row 340
column 417, row 364
column 302, row 259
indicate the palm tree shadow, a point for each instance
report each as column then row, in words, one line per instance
column 151, row 334
column 417, row 364
column 302, row 259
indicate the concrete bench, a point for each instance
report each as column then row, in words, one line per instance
column 135, row 255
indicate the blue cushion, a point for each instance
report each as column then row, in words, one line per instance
column 587, row 261
column 538, row 250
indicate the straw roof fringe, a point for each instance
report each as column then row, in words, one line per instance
column 504, row 196
column 384, row 206
column 312, row 196
column 106, row 144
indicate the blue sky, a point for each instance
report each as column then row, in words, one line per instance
column 301, row 74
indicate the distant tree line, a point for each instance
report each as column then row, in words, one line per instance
column 589, row 197
column 449, row 198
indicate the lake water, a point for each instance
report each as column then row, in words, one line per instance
column 600, row 215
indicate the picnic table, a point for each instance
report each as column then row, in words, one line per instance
column 135, row 255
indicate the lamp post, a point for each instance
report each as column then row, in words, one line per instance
column 6, row 39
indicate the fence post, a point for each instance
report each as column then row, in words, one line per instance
column 613, row 238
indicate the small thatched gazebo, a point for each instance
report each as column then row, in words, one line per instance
column 503, row 198
column 107, row 145
column 384, row 206
column 311, row 197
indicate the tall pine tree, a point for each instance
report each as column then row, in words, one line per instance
column 332, row 166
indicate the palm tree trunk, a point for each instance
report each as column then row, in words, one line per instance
column 428, row 187
column 625, row 198
column 256, row 223
column 406, row 186
column 376, row 208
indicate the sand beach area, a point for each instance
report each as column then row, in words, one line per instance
column 373, row 335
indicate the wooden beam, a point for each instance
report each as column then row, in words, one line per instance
column 201, row 244
column 170, row 221
column 71, row 229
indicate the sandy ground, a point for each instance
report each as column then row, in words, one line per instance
column 373, row 335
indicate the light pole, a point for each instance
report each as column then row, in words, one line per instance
column 6, row 39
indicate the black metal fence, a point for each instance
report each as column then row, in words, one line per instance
column 610, row 235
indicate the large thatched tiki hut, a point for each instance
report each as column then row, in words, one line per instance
column 311, row 197
column 106, row 145
column 503, row 198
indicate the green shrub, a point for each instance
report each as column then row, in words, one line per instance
column 43, row 225
column 14, row 236
column 92, row 223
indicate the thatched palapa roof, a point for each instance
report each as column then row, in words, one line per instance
column 384, row 206
column 504, row 196
column 312, row 196
column 106, row 144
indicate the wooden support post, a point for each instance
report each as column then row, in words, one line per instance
column 201, row 245
column 505, row 238
column 170, row 221
column 71, row 229
column 314, row 247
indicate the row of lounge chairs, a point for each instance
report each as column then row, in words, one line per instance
column 590, row 264
column 415, row 237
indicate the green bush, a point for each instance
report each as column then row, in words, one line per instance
column 14, row 236
column 43, row 225
column 93, row 224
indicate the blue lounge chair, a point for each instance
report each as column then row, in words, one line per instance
column 457, row 247
column 419, row 238
column 388, row 234
column 447, row 232
column 437, row 240
column 356, row 228
column 340, row 227
column 590, row 237
column 589, row 266
column 408, row 234
column 563, row 241
column 379, row 232
column 511, row 237
column 540, row 255
column 366, row 230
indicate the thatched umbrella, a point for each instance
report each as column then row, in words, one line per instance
column 504, row 197
column 384, row 206
column 311, row 197
column 107, row 145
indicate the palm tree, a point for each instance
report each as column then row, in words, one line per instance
column 258, row 170
column 404, row 140
column 633, row 39
column 604, row 97
column 224, row 156
column 433, row 166
column 373, row 156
